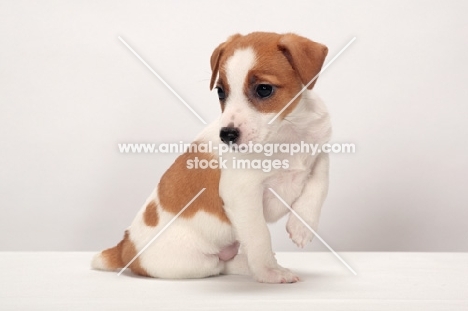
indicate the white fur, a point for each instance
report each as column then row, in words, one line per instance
column 248, row 203
column 98, row 262
column 253, row 125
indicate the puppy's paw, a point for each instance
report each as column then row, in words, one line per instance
column 276, row 275
column 298, row 232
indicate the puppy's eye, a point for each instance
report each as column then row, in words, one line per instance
column 264, row 90
column 221, row 94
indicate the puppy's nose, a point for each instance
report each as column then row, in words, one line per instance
column 229, row 134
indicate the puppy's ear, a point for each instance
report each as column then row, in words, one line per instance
column 214, row 61
column 305, row 56
column 215, row 57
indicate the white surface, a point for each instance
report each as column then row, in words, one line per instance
column 70, row 91
column 385, row 281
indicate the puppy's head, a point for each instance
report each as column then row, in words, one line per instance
column 256, row 76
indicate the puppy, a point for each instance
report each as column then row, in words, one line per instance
column 224, row 230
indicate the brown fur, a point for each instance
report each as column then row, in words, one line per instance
column 285, row 61
column 215, row 58
column 150, row 216
column 128, row 253
column 112, row 257
column 121, row 254
column 304, row 55
column 179, row 185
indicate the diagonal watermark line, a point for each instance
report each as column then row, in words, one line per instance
column 162, row 80
column 313, row 79
column 313, row 231
column 160, row 232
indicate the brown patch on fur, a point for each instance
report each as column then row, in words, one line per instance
column 121, row 254
column 128, row 253
column 112, row 257
column 285, row 61
column 215, row 57
column 179, row 185
column 150, row 215
column 305, row 56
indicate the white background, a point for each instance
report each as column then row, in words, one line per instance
column 70, row 91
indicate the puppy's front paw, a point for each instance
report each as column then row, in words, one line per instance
column 298, row 232
column 276, row 275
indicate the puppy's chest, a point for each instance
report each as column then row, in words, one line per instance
column 288, row 182
column 298, row 163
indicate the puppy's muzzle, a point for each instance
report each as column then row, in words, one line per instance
column 229, row 134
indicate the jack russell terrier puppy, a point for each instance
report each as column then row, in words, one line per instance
column 224, row 230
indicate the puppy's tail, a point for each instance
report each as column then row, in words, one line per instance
column 109, row 259
column 118, row 257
